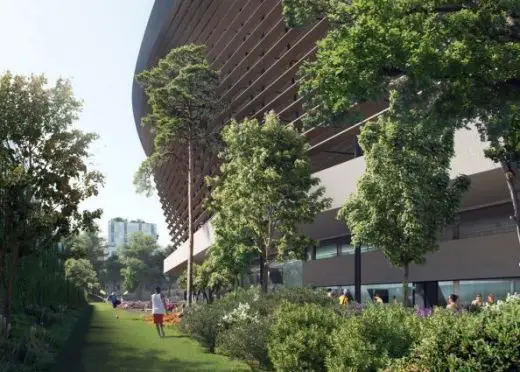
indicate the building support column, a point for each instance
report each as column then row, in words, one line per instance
column 357, row 252
column 357, row 273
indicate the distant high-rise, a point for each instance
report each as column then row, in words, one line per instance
column 119, row 231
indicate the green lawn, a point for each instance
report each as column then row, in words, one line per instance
column 130, row 344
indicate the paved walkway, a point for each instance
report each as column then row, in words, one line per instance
column 130, row 344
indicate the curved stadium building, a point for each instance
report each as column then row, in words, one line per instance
column 258, row 57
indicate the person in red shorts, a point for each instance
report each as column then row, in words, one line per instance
column 158, row 311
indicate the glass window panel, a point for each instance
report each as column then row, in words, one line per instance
column 326, row 251
column 388, row 292
column 468, row 289
column 346, row 249
column 293, row 274
column 367, row 248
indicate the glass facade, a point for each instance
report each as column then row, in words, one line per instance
column 388, row 292
column 286, row 274
column 465, row 289
column 346, row 249
column 332, row 247
column 326, row 250
column 468, row 289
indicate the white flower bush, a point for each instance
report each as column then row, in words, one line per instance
column 242, row 313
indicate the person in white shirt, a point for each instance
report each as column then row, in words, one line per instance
column 158, row 311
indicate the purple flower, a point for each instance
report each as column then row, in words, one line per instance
column 424, row 312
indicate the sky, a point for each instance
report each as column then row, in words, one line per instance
column 95, row 44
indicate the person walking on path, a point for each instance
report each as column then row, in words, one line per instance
column 115, row 303
column 158, row 311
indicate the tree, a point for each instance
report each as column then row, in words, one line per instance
column 265, row 189
column 111, row 276
column 455, row 63
column 141, row 262
column 182, row 92
column 209, row 279
column 44, row 176
column 81, row 273
column 89, row 245
column 405, row 198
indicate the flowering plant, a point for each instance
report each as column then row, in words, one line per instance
column 424, row 312
column 510, row 299
column 242, row 313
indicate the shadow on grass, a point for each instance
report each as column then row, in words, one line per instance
column 111, row 357
column 69, row 359
column 177, row 336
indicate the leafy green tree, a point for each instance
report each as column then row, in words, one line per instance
column 405, row 198
column 182, row 92
column 141, row 262
column 89, row 245
column 209, row 279
column 44, row 172
column 130, row 273
column 111, row 275
column 81, row 273
column 265, row 189
column 452, row 62
column 231, row 256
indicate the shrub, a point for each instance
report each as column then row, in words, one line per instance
column 487, row 341
column 300, row 337
column 301, row 296
column 367, row 342
column 444, row 334
column 203, row 322
column 247, row 341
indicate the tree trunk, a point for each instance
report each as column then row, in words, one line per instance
column 264, row 273
column 190, row 222
column 405, row 286
column 261, row 267
column 11, row 278
column 513, row 193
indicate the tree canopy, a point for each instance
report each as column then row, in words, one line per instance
column 182, row 92
column 405, row 199
column 81, row 273
column 455, row 63
column 44, row 158
column 460, row 58
column 44, row 171
column 87, row 244
column 265, row 188
column 141, row 263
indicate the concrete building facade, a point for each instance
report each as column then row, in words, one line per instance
column 120, row 230
column 259, row 56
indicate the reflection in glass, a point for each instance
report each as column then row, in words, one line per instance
column 346, row 249
column 388, row 292
column 326, row 251
column 468, row 289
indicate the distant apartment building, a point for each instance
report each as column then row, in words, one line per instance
column 120, row 230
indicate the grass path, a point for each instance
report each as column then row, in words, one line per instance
column 130, row 344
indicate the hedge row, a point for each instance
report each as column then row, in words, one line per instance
column 301, row 330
